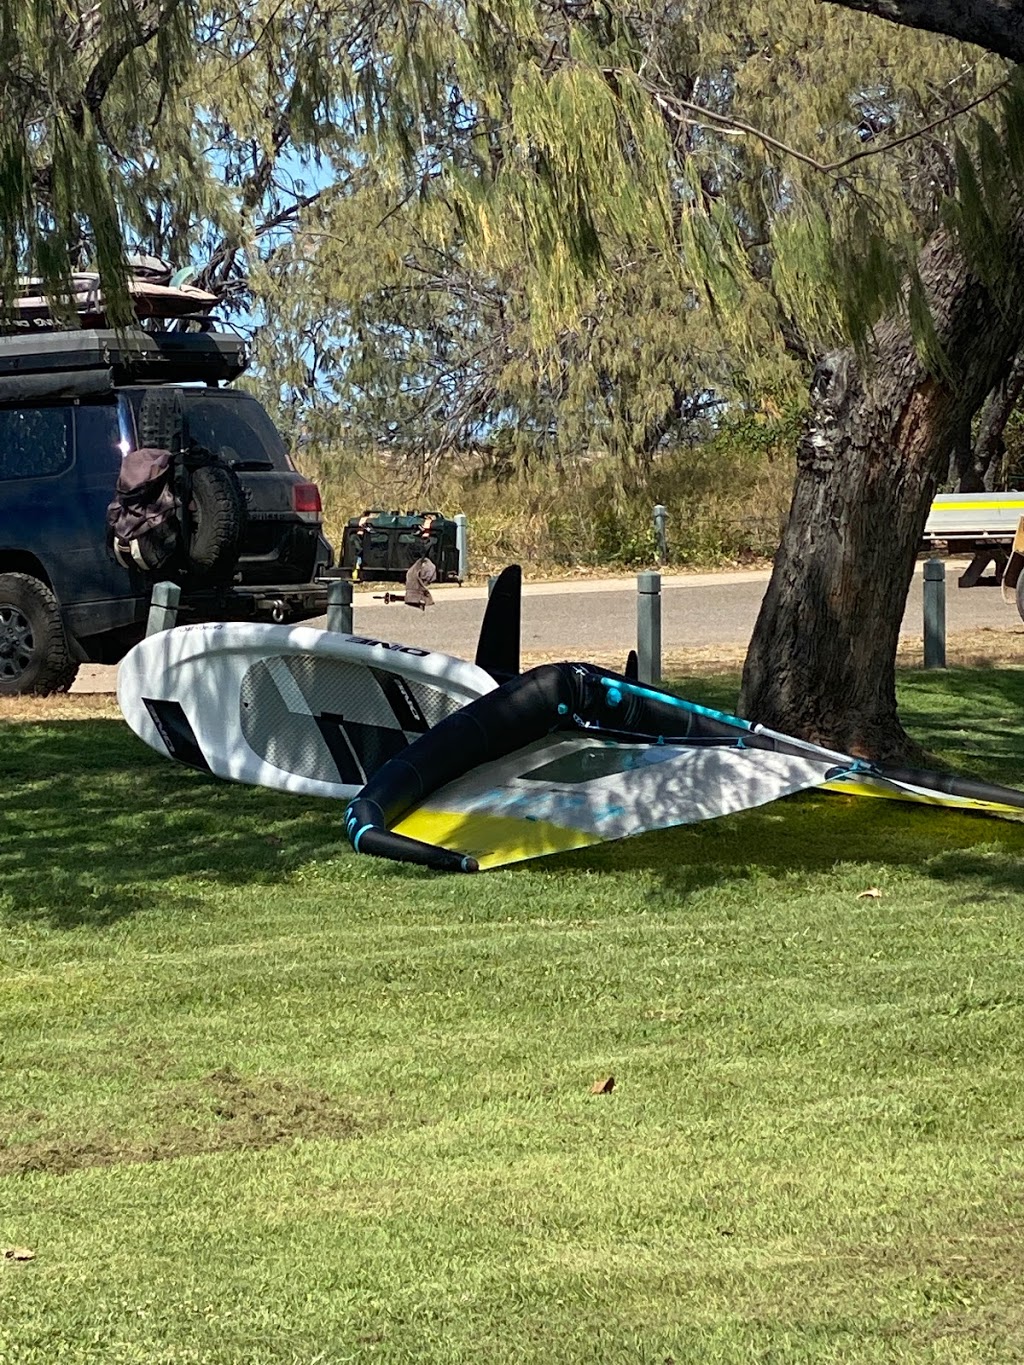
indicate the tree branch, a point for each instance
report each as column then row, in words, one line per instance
column 111, row 58
column 997, row 25
column 677, row 109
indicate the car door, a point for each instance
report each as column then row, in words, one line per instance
column 99, row 446
column 58, row 466
column 38, row 515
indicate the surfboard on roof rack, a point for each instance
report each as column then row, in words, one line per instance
column 157, row 293
column 32, row 312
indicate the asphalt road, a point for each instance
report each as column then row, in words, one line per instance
column 577, row 619
column 591, row 619
column 699, row 611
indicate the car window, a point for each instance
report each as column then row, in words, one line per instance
column 234, row 427
column 98, row 438
column 35, row 442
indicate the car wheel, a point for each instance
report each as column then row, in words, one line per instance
column 217, row 517
column 34, row 652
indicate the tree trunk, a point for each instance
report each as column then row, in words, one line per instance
column 989, row 447
column 962, row 474
column 822, row 660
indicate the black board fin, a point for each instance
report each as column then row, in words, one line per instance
column 497, row 651
column 632, row 669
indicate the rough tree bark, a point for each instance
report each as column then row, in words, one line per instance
column 981, row 464
column 962, row 474
column 822, row 657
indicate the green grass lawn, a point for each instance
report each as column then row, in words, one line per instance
column 263, row 1101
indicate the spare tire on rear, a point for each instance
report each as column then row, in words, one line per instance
column 216, row 518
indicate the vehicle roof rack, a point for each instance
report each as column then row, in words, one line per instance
column 93, row 361
column 155, row 294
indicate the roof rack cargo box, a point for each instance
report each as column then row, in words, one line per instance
column 127, row 357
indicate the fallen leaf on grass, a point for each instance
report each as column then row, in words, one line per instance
column 18, row 1254
column 872, row 891
column 604, row 1087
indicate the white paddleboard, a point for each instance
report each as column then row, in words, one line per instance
column 290, row 707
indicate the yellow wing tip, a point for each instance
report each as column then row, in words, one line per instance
column 493, row 840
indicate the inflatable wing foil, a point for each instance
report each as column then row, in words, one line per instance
column 569, row 755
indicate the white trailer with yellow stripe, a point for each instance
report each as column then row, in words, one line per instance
column 990, row 527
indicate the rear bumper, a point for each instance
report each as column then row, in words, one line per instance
column 104, row 631
column 278, row 550
column 276, row 602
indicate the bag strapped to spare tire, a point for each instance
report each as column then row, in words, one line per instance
column 142, row 519
column 170, row 514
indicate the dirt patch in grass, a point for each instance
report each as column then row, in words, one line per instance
column 990, row 647
column 80, row 706
column 223, row 1112
column 674, row 662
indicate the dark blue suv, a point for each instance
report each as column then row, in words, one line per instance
column 71, row 405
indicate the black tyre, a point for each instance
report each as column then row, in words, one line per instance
column 1020, row 596
column 217, row 520
column 160, row 421
column 34, row 651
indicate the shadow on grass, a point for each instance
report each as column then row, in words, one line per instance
column 818, row 833
column 96, row 827
column 972, row 721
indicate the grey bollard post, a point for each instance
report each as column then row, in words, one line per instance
column 934, row 614
column 660, row 533
column 648, row 626
column 462, row 545
column 339, row 606
column 491, row 582
column 163, row 608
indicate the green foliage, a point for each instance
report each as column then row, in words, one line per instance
column 549, row 246
column 72, row 74
column 449, row 220
column 990, row 182
column 726, row 497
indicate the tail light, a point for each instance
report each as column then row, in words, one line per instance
column 306, row 497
